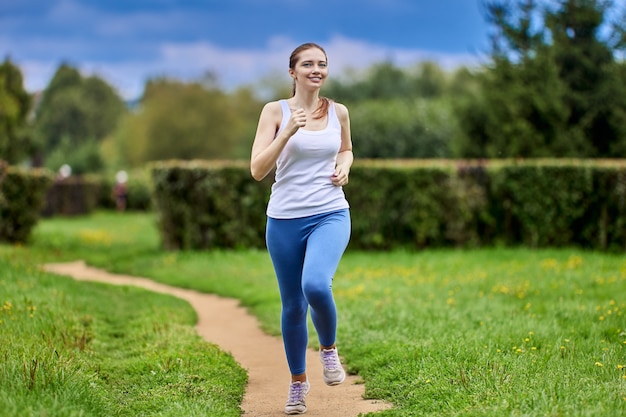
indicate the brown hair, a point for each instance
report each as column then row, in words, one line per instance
column 324, row 104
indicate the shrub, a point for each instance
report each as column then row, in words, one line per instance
column 208, row 204
column 411, row 204
column 71, row 196
column 23, row 196
column 139, row 189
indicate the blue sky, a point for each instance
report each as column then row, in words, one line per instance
column 241, row 41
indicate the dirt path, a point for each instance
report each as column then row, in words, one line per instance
column 223, row 322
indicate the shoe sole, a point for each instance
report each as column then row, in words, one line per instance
column 333, row 383
column 295, row 411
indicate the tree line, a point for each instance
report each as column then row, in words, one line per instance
column 553, row 84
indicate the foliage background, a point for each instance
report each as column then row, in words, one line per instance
column 553, row 84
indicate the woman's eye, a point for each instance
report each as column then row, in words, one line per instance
column 310, row 64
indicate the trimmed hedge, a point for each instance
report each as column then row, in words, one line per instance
column 22, row 196
column 559, row 203
column 138, row 187
column 3, row 170
column 72, row 196
column 411, row 204
column 79, row 195
column 209, row 204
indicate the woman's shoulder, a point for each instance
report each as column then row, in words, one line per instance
column 272, row 105
column 273, row 108
column 342, row 110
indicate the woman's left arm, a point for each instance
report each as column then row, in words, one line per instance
column 345, row 156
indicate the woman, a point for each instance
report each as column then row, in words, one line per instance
column 307, row 138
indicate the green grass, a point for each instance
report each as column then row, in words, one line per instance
column 71, row 348
column 489, row 332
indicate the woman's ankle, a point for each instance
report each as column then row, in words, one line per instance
column 298, row 378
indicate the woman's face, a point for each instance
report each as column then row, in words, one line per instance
column 311, row 69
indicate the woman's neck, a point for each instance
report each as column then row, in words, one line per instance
column 305, row 101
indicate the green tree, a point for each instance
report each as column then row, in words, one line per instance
column 15, row 103
column 402, row 112
column 82, row 158
column 550, row 88
column 247, row 109
column 178, row 120
column 401, row 128
column 430, row 80
column 595, row 93
column 76, row 112
column 385, row 81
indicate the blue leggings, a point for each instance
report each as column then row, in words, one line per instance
column 306, row 253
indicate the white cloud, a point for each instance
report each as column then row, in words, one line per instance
column 130, row 46
column 71, row 12
column 37, row 74
column 144, row 24
column 233, row 67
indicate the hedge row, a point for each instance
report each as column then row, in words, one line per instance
column 204, row 204
column 22, row 197
column 138, row 187
column 72, row 196
column 79, row 195
column 25, row 195
column 411, row 204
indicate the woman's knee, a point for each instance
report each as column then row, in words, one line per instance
column 295, row 311
column 317, row 292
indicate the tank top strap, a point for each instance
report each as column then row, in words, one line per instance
column 286, row 114
column 333, row 119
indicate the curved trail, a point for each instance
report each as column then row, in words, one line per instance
column 224, row 322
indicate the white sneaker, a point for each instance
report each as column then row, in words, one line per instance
column 333, row 371
column 296, row 402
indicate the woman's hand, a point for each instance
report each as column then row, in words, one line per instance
column 267, row 145
column 340, row 177
column 296, row 121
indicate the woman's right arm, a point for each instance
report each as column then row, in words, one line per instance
column 266, row 148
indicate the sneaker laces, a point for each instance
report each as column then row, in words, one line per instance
column 330, row 359
column 297, row 391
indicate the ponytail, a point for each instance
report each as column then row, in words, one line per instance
column 322, row 108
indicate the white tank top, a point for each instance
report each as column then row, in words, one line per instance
column 302, row 185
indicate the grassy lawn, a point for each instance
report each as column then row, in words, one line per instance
column 489, row 332
column 71, row 348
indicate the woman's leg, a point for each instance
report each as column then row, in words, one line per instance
column 285, row 241
column 325, row 246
